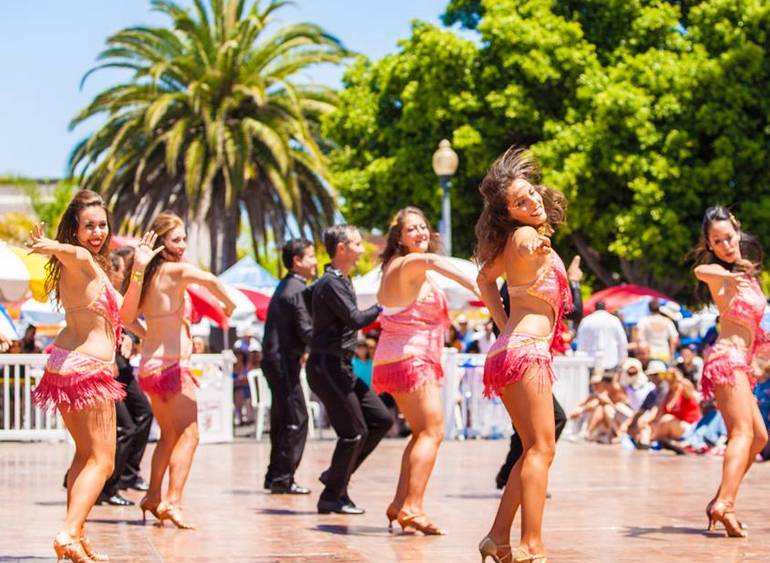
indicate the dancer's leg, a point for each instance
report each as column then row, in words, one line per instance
column 162, row 453
column 184, row 412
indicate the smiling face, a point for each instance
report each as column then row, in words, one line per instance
column 349, row 252
column 415, row 234
column 724, row 241
column 307, row 264
column 175, row 242
column 93, row 228
column 525, row 204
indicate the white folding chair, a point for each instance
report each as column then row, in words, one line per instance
column 260, row 399
column 313, row 407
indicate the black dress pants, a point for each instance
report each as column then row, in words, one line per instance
column 516, row 449
column 134, row 419
column 288, row 419
column 357, row 415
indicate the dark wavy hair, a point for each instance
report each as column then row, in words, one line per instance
column 393, row 246
column 751, row 251
column 67, row 233
column 495, row 223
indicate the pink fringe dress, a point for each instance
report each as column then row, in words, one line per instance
column 165, row 376
column 515, row 352
column 75, row 381
column 409, row 351
column 727, row 356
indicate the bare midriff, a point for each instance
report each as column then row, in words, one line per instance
column 87, row 333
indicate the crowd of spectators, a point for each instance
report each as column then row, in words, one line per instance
column 645, row 391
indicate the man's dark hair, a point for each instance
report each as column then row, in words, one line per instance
column 335, row 235
column 295, row 247
column 601, row 306
column 654, row 306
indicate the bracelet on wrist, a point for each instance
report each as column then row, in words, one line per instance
column 138, row 277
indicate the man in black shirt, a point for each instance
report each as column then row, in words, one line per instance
column 287, row 334
column 357, row 415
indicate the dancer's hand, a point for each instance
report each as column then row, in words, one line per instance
column 539, row 245
column 144, row 252
column 38, row 243
column 229, row 308
column 574, row 273
column 738, row 280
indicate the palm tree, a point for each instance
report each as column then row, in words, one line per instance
column 213, row 123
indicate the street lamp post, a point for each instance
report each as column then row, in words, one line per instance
column 445, row 163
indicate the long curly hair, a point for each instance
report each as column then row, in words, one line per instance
column 495, row 224
column 751, row 250
column 67, row 233
column 393, row 246
column 162, row 224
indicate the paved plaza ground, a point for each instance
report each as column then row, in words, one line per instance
column 608, row 505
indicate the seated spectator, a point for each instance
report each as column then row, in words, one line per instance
column 635, row 383
column 709, row 432
column 638, row 427
column 678, row 411
column 690, row 364
column 483, row 339
column 603, row 410
column 640, row 351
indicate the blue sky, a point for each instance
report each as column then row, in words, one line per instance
column 47, row 46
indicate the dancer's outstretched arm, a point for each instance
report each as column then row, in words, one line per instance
column 415, row 265
column 143, row 254
column 70, row 255
column 190, row 274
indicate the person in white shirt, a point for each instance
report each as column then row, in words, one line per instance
column 659, row 332
column 603, row 333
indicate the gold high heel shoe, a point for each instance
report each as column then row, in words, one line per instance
column 67, row 547
column 488, row 548
column 154, row 509
column 711, row 503
column 391, row 514
column 723, row 512
column 174, row 513
column 88, row 548
column 428, row 528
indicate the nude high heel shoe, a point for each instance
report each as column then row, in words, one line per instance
column 722, row 511
column 488, row 548
column 88, row 548
column 391, row 514
column 420, row 523
column 67, row 547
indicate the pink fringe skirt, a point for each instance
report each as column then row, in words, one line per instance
column 511, row 356
column 164, row 377
column 405, row 376
column 722, row 362
column 74, row 381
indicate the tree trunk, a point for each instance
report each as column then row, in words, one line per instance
column 224, row 224
column 593, row 259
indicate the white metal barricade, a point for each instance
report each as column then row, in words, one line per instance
column 21, row 421
column 468, row 414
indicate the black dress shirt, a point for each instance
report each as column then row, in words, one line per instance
column 336, row 317
column 288, row 327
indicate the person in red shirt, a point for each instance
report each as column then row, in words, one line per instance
column 679, row 410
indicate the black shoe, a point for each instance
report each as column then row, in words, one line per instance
column 324, row 478
column 293, row 489
column 64, row 483
column 268, row 483
column 338, row 507
column 347, row 500
column 114, row 500
column 139, row 484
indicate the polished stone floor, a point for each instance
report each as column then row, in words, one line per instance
column 607, row 505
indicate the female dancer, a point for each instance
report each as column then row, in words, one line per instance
column 407, row 360
column 729, row 262
column 164, row 370
column 79, row 378
column 513, row 240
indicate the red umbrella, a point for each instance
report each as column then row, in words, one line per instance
column 260, row 300
column 204, row 304
column 619, row 296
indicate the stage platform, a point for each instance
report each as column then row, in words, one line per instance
column 607, row 504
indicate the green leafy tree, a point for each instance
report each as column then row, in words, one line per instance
column 643, row 112
column 213, row 122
